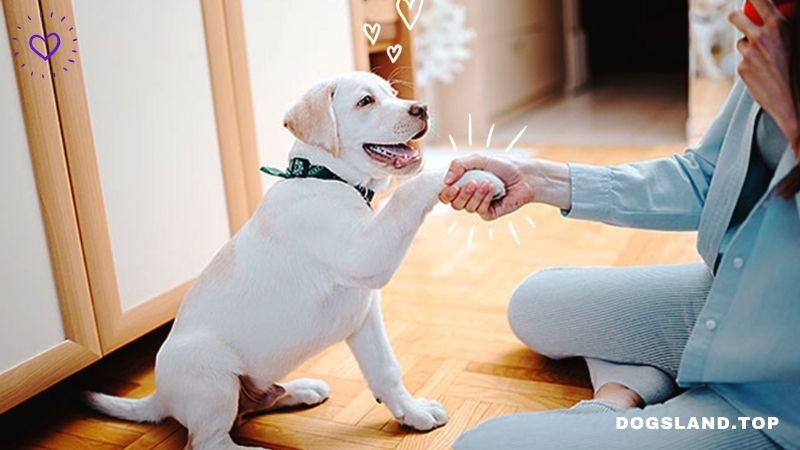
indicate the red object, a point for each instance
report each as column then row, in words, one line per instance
column 787, row 7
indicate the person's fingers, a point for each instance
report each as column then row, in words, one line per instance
column 743, row 23
column 461, row 165
column 455, row 172
column 766, row 9
column 448, row 194
column 484, row 207
column 496, row 210
column 483, row 191
column 464, row 196
column 742, row 45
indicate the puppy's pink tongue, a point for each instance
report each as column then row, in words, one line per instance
column 401, row 162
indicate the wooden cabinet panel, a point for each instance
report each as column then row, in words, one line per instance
column 517, row 59
column 510, row 70
column 548, row 63
column 515, row 16
column 152, row 112
column 28, row 295
column 46, row 305
column 124, row 173
column 154, row 141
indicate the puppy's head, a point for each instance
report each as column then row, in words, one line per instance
column 358, row 118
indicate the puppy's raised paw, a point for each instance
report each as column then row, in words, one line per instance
column 423, row 415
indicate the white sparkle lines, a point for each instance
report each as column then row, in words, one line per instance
column 530, row 221
column 471, row 236
column 513, row 232
column 516, row 138
column 469, row 127
column 489, row 137
column 452, row 227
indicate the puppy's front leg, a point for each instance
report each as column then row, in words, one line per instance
column 386, row 238
column 374, row 354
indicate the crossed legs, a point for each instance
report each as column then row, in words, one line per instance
column 631, row 325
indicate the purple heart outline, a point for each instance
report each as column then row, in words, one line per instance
column 45, row 40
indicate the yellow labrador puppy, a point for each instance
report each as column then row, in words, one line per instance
column 302, row 274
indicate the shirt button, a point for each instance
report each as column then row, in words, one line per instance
column 711, row 324
column 738, row 263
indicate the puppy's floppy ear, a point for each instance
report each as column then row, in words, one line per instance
column 311, row 119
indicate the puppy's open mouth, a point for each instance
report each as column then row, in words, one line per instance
column 399, row 155
column 395, row 155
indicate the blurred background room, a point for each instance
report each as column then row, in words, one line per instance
column 128, row 166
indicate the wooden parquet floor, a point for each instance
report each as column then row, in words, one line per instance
column 445, row 313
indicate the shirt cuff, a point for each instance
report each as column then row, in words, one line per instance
column 591, row 192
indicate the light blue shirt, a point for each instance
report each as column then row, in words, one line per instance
column 746, row 342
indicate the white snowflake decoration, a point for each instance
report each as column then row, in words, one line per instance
column 442, row 42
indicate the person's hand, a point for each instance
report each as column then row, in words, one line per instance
column 765, row 64
column 477, row 198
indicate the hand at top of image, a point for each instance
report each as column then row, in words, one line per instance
column 765, row 64
column 478, row 197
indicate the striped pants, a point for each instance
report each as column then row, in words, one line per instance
column 631, row 325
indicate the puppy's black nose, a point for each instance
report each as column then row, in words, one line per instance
column 419, row 110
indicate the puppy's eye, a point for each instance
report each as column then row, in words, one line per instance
column 365, row 101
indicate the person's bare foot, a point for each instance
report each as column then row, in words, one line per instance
column 619, row 395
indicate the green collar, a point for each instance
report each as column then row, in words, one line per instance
column 302, row 168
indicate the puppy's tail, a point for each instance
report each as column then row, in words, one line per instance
column 147, row 409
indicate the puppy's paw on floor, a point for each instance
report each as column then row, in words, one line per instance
column 424, row 415
column 304, row 392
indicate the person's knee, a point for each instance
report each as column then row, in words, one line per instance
column 482, row 437
column 535, row 305
column 515, row 432
column 469, row 440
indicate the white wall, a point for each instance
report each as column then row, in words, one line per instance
column 290, row 45
column 30, row 317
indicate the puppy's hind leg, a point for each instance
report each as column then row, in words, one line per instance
column 209, row 411
column 202, row 391
column 299, row 392
column 304, row 391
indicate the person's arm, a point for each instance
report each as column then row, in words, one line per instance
column 666, row 194
column 526, row 181
column 663, row 194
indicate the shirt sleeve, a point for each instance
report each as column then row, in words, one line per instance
column 662, row 194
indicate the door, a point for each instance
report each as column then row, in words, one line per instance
column 47, row 327
column 153, row 138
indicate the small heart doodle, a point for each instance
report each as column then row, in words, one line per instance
column 394, row 52
column 44, row 54
column 372, row 32
column 414, row 12
column 45, row 41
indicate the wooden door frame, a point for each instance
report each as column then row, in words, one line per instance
column 360, row 48
column 117, row 326
column 81, row 345
column 239, row 86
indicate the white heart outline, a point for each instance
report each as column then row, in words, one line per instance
column 372, row 32
column 397, row 50
column 410, row 4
